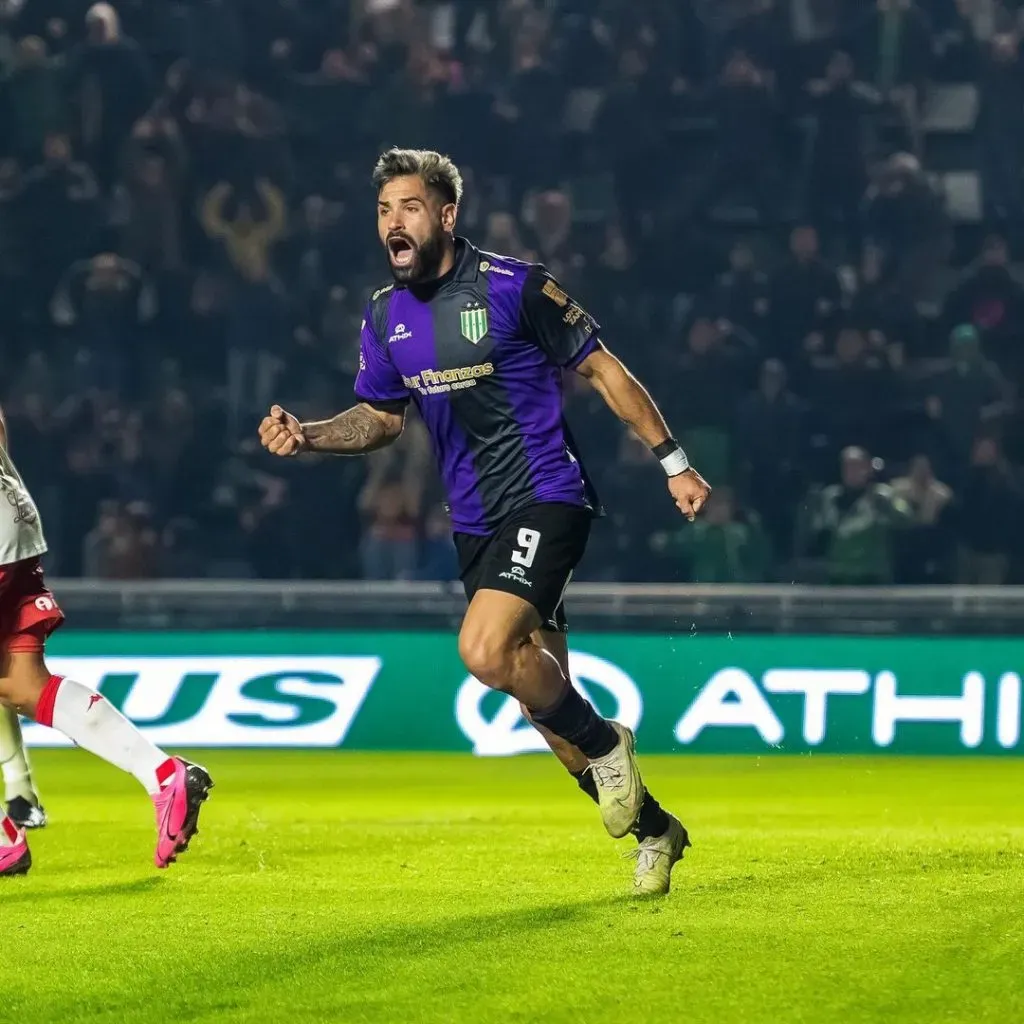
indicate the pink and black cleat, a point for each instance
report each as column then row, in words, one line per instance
column 14, row 859
column 184, row 787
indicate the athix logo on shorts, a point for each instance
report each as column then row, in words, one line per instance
column 437, row 382
column 517, row 573
column 401, row 334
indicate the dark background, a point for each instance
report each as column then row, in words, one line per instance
column 796, row 220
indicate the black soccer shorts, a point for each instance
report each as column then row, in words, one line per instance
column 532, row 554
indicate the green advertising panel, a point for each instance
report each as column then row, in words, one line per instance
column 408, row 691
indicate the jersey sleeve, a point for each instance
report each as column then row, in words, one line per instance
column 378, row 381
column 558, row 325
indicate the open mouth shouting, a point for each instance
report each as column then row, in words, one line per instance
column 402, row 251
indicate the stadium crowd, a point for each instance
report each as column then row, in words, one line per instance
column 739, row 190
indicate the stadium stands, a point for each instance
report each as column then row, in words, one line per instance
column 796, row 219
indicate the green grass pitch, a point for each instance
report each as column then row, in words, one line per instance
column 337, row 887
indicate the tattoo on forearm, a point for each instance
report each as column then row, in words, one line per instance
column 352, row 432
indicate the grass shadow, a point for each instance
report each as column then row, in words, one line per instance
column 280, row 964
column 29, row 894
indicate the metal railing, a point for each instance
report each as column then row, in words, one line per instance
column 287, row 604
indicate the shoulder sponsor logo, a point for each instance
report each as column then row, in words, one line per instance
column 507, row 732
column 225, row 701
column 401, row 333
column 493, row 268
column 572, row 315
column 555, row 294
column 381, row 291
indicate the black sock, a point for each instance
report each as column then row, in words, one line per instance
column 652, row 820
column 585, row 780
column 576, row 722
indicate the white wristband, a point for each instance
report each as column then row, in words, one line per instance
column 675, row 463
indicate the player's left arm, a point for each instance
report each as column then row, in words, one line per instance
column 569, row 336
column 631, row 402
column 3, row 430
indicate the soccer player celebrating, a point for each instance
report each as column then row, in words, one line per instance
column 479, row 342
column 28, row 615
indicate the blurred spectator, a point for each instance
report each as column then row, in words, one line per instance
column 853, row 524
column 1000, row 131
column 710, row 382
column 747, row 162
column 503, row 237
column 104, row 302
column 893, row 44
column 743, row 293
column 181, row 550
column 438, row 558
column 123, row 546
column 34, row 99
column 112, row 81
column 770, row 443
column 150, row 198
column 61, row 216
column 762, row 34
column 388, row 548
column 720, row 547
column 854, row 395
column 248, row 221
column 637, row 512
column 838, row 172
column 988, row 523
column 322, row 250
column 804, row 297
column 924, row 548
column 549, row 215
column 989, row 298
column 881, row 307
column 966, row 395
column 904, row 219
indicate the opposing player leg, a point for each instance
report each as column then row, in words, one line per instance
column 15, row 858
column 660, row 836
column 23, row 805
column 176, row 786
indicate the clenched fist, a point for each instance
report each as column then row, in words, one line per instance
column 690, row 492
column 281, row 433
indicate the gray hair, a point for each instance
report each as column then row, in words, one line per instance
column 438, row 172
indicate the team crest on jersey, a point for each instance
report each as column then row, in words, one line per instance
column 473, row 321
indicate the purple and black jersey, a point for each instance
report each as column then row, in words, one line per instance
column 481, row 353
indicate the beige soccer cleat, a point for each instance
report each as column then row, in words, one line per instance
column 655, row 858
column 620, row 790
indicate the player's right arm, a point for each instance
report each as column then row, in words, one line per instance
column 358, row 430
column 3, row 430
column 375, row 422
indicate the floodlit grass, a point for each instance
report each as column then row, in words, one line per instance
column 384, row 888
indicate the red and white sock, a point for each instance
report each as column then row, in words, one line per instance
column 9, row 834
column 88, row 718
column 14, row 759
